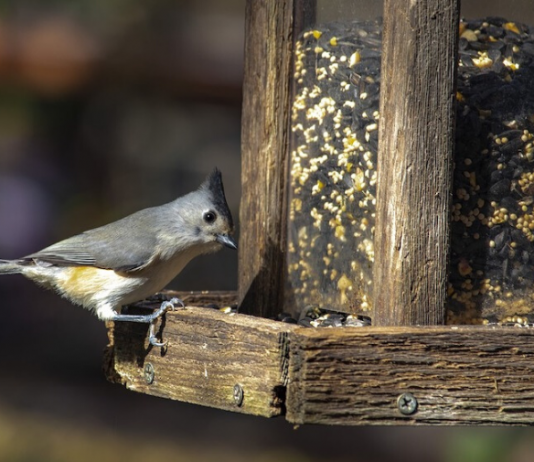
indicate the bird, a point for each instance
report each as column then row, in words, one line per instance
column 106, row 268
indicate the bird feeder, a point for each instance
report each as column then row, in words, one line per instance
column 387, row 213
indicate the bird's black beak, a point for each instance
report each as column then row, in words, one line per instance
column 226, row 240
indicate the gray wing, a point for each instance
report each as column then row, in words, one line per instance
column 125, row 245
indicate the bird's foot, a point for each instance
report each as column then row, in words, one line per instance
column 165, row 306
column 151, row 318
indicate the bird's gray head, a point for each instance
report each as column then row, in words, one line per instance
column 206, row 218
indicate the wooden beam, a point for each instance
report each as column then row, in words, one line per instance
column 305, row 14
column 457, row 375
column 211, row 358
column 415, row 161
column 265, row 122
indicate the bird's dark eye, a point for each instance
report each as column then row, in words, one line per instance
column 209, row 217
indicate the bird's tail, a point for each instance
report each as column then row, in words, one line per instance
column 9, row 267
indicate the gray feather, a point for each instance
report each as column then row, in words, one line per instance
column 124, row 245
column 163, row 232
column 9, row 267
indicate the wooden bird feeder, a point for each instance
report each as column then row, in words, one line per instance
column 411, row 366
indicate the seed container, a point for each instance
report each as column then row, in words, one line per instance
column 334, row 122
column 492, row 246
column 333, row 174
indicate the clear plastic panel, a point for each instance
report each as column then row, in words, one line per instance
column 492, row 246
column 333, row 157
column 334, row 152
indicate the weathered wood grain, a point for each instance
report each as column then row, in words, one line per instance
column 208, row 352
column 264, row 135
column 459, row 375
column 415, row 161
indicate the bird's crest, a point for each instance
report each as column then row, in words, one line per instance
column 214, row 185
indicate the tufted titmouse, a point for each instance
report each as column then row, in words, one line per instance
column 130, row 259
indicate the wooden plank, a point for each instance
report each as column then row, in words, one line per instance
column 458, row 375
column 207, row 354
column 415, row 161
column 265, row 122
column 305, row 14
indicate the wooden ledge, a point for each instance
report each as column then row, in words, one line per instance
column 211, row 358
column 347, row 376
column 457, row 374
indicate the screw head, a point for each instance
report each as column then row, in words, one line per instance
column 238, row 394
column 407, row 404
column 149, row 373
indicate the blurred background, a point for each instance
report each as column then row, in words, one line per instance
column 106, row 107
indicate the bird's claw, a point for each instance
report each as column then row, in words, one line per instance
column 164, row 307
column 152, row 339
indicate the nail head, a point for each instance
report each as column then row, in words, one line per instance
column 238, row 394
column 407, row 404
column 149, row 373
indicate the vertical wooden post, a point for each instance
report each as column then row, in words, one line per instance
column 415, row 161
column 265, row 122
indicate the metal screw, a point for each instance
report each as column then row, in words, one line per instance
column 238, row 394
column 407, row 404
column 149, row 373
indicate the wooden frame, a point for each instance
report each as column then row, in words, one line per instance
column 265, row 137
column 415, row 157
column 379, row 375
column 230, row 362
column 458, row 375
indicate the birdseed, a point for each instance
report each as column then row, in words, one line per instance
column 334, row 124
